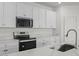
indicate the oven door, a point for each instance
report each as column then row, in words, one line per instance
column 27, row 45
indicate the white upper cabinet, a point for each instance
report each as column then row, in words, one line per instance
column 24, row 10
column 42, row 17
column 9, row 14
column 1, row 13
column 51, row 19
column 35, row 17
column 39, row 15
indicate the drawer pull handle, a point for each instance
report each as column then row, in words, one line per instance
column 5, row 50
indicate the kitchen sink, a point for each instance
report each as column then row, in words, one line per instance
column 65, row 47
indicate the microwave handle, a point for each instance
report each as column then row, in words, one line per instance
column 31, row 23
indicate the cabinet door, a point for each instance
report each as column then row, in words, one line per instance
column 1, row 14
column 51, row 19
column 9, row 14
column 2, row 48
column 28, row 11
column 24, row 10
column 35, row 17
column 42, row 18
column 42, row 42
column 11, row 47
column 39, row 17
column 39, row 43
column 20, row 9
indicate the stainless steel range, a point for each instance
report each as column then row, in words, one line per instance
column 25, row 41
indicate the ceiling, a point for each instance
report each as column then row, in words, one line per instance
column 55, row 4
column 49, row 4
column 70, row 3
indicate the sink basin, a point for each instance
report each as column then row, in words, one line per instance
column 65, row 47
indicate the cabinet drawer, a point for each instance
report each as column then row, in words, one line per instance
column 2, row 47
column 2, row 52
column 42, row 42
column 11, row 50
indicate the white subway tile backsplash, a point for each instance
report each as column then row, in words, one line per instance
column 7, row 33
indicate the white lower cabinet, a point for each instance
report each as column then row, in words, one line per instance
column 11, row 50
column 2, row 48
column 2, row 52
column 48, row 42
column 55, row 42
column 42, row 42
column 8, row 47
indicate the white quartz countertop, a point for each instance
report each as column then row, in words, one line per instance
column 45, row 51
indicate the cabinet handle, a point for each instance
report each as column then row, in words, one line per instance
column 43, row 43
column 5, row 50
column 3, row 24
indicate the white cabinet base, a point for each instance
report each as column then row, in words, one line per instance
column 7, row 47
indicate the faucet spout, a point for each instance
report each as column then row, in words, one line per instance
column 76, row 36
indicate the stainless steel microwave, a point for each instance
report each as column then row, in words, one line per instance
column 24, row 22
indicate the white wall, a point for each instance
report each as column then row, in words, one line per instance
column 58, row 22
column 65, row 13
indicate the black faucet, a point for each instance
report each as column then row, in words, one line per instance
column 76, row 36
